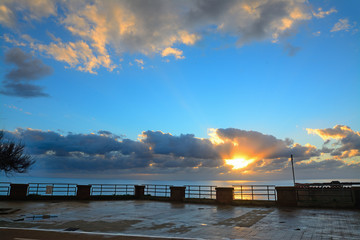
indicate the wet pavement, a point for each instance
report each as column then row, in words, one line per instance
column 167, row 219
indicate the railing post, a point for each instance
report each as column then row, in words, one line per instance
column 286, row 196
column 139, row 191
column 241, row 192
column 83, row 192
column 224, row 195
column 252, row 192
column 267, row 187
column 115, row 189
column 18, row 191
column 177, row 193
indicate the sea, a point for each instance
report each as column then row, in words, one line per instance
column 218, row 183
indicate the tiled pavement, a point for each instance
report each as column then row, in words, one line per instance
column 153, row 218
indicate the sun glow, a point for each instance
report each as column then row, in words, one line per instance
column 238, row 163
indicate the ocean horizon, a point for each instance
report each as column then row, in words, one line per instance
column 219, row 183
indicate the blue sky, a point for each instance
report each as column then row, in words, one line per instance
column 239, row 71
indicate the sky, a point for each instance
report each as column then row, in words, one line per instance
column 203, row 90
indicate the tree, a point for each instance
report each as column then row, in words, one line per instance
column 12, row 156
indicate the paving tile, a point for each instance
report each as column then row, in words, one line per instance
column 154, row 218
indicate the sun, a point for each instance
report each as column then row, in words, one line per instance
column 238, row 163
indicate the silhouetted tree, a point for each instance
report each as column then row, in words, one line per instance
column 12, row 156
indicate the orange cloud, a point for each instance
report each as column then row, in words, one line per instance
column 337, row 132
column 177, row 53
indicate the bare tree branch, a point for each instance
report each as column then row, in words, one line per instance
column 12, row 156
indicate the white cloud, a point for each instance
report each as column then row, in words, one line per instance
column 342, row 25
column 322, row 14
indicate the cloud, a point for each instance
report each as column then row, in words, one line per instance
column 291, row 50
column 167, row 155
column 317, row 33
column 185, row 145
column 322, row 14
column 100, row 28
column 337, row 132
column 178, row 54
column 7, row 17
column 140, row 63
column 342, row 25
column 23, row 90
column 76, row 54
column 26, row 69
column 255, row 145
column 347, row 140
column 32, row 10
column 11, row 106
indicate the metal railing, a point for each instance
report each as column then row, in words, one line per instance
column 52, row 189
column 157, row 190
column 255, row 192
column 325, row 192
column 241, row 192
column 200, row 191
column 112, row 189
column 4, row 188
column 331, row 185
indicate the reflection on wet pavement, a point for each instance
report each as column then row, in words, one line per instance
column 168, row 219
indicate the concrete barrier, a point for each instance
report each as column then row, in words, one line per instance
column 224, row 195
column 18, row 191
column 177, row 193
column 325, row 197
column 83, row 192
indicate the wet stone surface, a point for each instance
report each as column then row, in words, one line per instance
column 168, row 219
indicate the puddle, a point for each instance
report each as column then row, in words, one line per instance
column 34, row 217
column 8, row 210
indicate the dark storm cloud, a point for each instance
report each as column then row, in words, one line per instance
column 159, row 152
column 323, row 165
column 24, row 90
column 27, row 69
column 185, row 145
column 109, row 134
column 92, row 163
column 41, row 142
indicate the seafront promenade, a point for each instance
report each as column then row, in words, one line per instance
column 123, row 211
column 132, row 219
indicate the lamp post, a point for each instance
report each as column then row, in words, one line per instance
column 292, row 165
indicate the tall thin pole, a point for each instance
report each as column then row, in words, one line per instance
column 292, row 165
